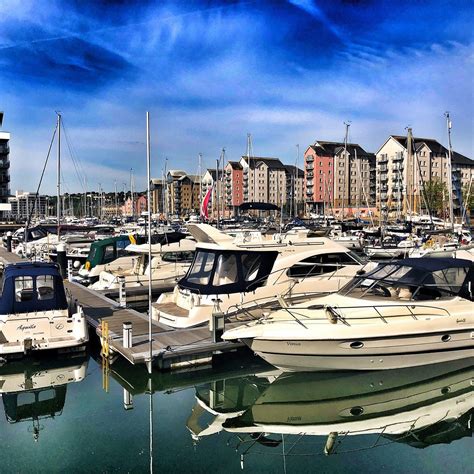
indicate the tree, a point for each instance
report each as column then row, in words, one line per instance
column 436, row 194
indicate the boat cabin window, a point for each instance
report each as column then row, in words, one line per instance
column 226, row 270
column 405, row 282
column 183, row 256
column 200, row 271
column 250, row 265
column 214, row 272
column 23, row 288
column 109, row 253
column 321, row 264
column 45, row 287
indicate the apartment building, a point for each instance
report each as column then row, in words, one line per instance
column 234, row 185
column 4, row 170
column 264, row 180
column 338, row 176
column 23, row 203
column 402, row 170
column 182, row 192
column 157, row 196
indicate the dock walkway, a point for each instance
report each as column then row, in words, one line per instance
column 171, row 348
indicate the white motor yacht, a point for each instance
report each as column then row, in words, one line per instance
column 242, row 275
column 412, row 312
column 169, row 263
column 34, row 311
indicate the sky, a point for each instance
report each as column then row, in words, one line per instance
column 210, row 72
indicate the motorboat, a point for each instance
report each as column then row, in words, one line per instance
column 103, row 256
column 35, row 390
column 34, row 312
column 169, row 263
column 246, row 274
column 411, row 312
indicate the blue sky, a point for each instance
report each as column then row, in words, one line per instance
column 288, row 72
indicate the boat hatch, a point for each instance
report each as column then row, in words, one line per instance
column 32, row 287
column 228, row 271
column 415, row 279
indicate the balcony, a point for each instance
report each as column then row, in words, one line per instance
column 246, row 171
column 309, row 158
column 309, row 167
column 398, row 167
column 383, row 159
column 384, row 177
column 4, row 179
column 383, row 168
column 383, row 196
column 4, row 164
column 310, row 174
column 4, row 149
column 398, row 157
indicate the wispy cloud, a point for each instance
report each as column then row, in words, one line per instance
column 209, row 74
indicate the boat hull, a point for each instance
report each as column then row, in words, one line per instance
column 393, row 352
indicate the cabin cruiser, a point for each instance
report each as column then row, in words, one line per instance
column 103, row 256
column 241, row 275
column 35, row 390
column 419, row 406
column 34, row 311
column 168, row 264
column 411, row 312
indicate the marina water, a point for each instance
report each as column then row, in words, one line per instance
column 82, row 427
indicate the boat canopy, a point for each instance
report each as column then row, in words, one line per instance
column 107, row 250
column 228, row 271
column 30, row 287
column 416, row 279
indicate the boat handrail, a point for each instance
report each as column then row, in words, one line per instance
column 375, row 307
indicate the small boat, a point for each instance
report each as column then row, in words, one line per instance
column 412, row 312
column 34, row 312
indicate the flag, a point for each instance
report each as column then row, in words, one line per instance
column 205, row 203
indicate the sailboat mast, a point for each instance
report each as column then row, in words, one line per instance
column 58, row 207
column 347, row 125
column 449, row 172
column 200, row 179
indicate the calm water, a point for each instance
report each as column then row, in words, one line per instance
column 240, row 415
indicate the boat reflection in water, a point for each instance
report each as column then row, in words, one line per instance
column 418, row 406
column 35, row 390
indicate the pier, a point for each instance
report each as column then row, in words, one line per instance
column 171, row 348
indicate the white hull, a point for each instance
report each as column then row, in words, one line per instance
column 42, row 330
column 377, row 353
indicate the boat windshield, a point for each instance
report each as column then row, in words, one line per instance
column 214, row 272
column 410, row 282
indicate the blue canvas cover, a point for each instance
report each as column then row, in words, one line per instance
column 13, row 302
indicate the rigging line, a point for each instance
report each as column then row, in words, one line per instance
column 75, row 161
column 30, row 214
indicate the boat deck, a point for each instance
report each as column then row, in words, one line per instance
column 171, row 348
